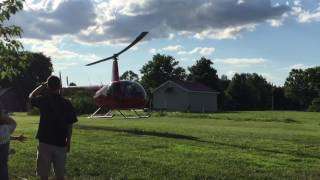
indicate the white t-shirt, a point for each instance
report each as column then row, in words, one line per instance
column 5, row 132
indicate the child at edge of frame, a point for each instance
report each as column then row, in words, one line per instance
column 7, row 127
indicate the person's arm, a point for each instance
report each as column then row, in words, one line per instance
column 9, row 121
column 69, row 135
column 72, row 118
column 20, row 138
column 36, row 92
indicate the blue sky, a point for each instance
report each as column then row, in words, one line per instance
column 269, row 37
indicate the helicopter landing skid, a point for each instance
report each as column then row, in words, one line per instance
column 109, row 114
column 138, row 116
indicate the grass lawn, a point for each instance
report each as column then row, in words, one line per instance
column 236, row 145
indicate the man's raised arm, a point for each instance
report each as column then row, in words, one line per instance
column 36, row 92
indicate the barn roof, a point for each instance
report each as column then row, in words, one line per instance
column 190, row 86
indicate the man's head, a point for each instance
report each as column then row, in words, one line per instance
column 54, row 83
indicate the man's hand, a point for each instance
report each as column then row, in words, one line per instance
column 21, row 138
column 68, row 146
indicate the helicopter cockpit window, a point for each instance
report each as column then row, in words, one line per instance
column 102, row 91
column 127, row 90
column 110, row 91
column 133, row 90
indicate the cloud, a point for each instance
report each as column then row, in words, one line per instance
column 218, row 19
column 59, row 66
column 230, row 74
column 153, row 51
column 242, row 61
column 51, row 48
column 226, row 33
column 49, row 18
column 116, row 21
column 305, row 16
column 198, row 50
column 279, row 21
column 172, row 48
column 268, row 77
column 205, row 51
column 299, row 66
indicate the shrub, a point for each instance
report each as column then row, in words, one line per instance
column 315, row 105
column 83, row 102
column 33, row 111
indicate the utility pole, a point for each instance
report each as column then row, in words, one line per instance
column 272, row 97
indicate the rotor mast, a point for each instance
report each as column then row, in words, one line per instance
column 115, row 70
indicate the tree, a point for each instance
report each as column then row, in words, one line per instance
column 72, row 84
column 37, row 69
column 223, row 98
column 263, row 91
column 303, row 85
column 239, row 93
column 202, row 72
column 249, row 92
column 9, row 46
column 83, row 102
column 159, row 70
column 314, row 78
column 130, row 76
column 315, row 105
column 281, row 102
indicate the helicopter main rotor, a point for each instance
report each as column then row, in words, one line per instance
column 115, row 56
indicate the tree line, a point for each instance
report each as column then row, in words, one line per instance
column 244, row 91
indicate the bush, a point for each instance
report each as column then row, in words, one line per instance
column 315, row 105
column 33, row 111
column 83, row 102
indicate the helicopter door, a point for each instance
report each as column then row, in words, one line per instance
column 116, row 90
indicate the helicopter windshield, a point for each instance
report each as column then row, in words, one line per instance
column 102, row 91
column 126, row 90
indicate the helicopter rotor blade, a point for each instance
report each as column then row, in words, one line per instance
column 105, row 59
column 141, row 36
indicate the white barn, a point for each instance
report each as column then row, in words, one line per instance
column 185, row 96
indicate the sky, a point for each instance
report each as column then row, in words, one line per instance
column 269, row 37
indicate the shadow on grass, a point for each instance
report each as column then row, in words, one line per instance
column 138, row 132
column 192, row 138
column 224, row 116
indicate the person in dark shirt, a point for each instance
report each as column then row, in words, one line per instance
column 55, row 128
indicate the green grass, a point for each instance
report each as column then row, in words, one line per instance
column 235, row 145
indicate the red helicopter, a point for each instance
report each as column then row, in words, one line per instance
column 119, row 94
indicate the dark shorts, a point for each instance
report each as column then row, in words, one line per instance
column 4, row 152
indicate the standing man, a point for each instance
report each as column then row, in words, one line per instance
column 55, row 128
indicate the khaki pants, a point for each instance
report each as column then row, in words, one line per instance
column 49, row 155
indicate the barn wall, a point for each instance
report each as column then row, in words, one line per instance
column 177, row 100
column 203, row 102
